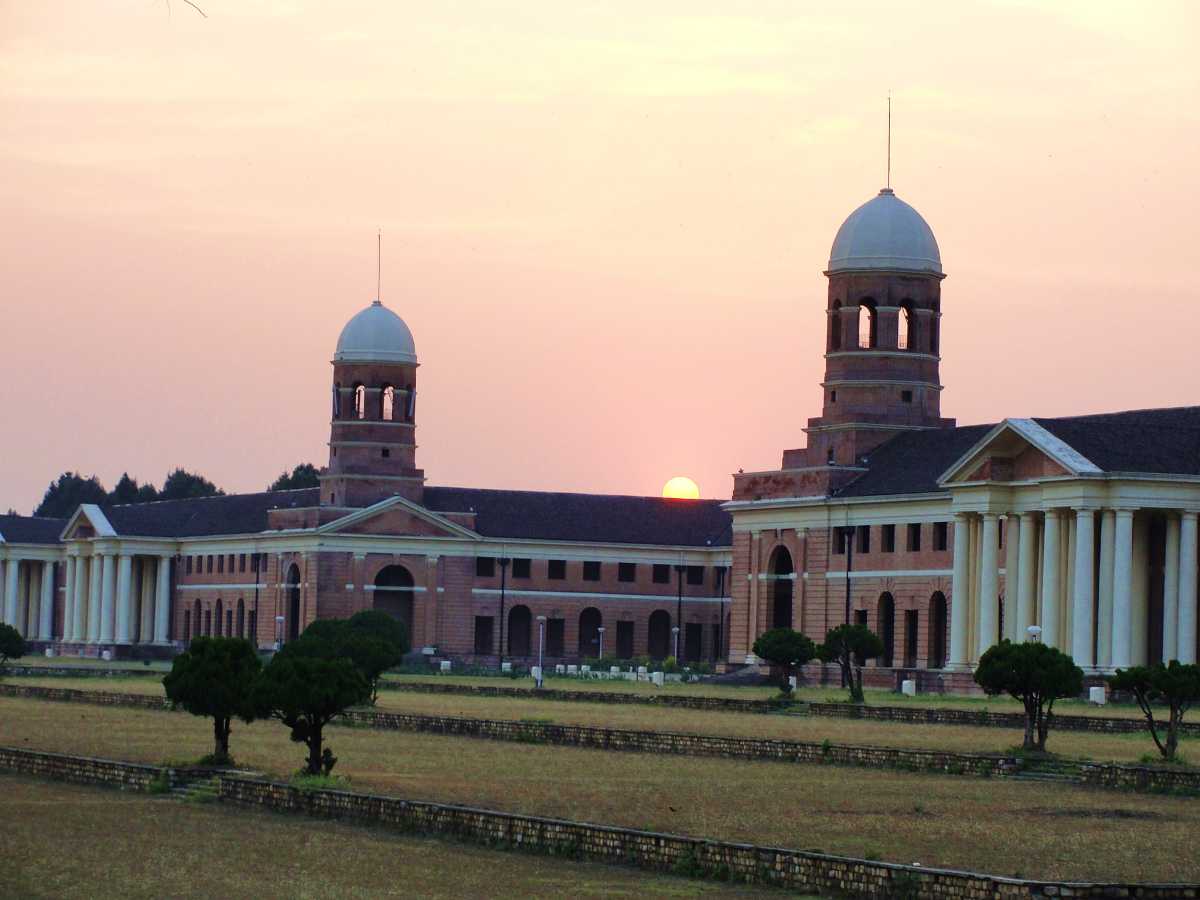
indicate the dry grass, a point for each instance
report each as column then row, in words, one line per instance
column 997, row 826
column 64, row 840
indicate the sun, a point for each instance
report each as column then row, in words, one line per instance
column 681, row 487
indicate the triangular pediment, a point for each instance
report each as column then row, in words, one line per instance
column 88, row 521
column 397, row 517
column 1018, row 450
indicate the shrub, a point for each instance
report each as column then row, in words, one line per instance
column 12, row 645
column 215, row 678
column 850, row 646
column 1177, row 685
column 1035, row 674
column 787, row 649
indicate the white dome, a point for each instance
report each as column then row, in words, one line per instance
column 376, row 335
column 885, row 233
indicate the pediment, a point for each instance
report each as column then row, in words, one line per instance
column 397, row 517
column 1018, row 450
column 88, row 521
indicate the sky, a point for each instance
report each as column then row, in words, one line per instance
column 605, row 223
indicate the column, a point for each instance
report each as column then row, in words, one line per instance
column 1170, row 601
column 108, row 597
column 1104, row 629
column 959, row 593
column 1187, row 587
column 752, row 612
column 24, row 577
column 1122, row 635
column 10, row 591
column 433, row 603
column 974, row 571
column 79, row 623
column 46, row 607
column 989, row 582
column 68, row 620
column 1012, row 575
column 1028, row 572
column 1084, row 584
column 1050, row 579
column 124, row 631
column 95, row 590
column 146, row 592
column 162, row 601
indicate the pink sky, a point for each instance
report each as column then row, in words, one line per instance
column 605, row 223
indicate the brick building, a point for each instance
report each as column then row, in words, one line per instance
column 941, row 538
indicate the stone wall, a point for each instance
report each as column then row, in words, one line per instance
column 796, row 870
column 74, row 695
column 724, row 704
column 81, row 769
column 1162, row 779
column 69, row 671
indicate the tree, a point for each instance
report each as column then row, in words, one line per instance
column 129, row 491
column 215, row 677
column 372, row 640
column 850, row 646
column 1177, row 685
column 787, row 649
column 184, row 485
column 69, row 490
column 306, row 692
column 1035, row 674
column 377, row 623
column 304, row 475
column 12, row 645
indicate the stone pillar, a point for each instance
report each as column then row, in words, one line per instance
column 989, row 582
column 1104, row 624
column 145, row 630
column 1084, row 590
column 1122, row 628
column 752, row 612
column 1170, row 599
column 95, row 589
column 46, row 607
column 68, row 621
column 1051, row 580
column 1187, row 587
column 11, row 568
column 1028, row 572
column 959, row 593
column 162, row 601
column 124, row 631
column 433, row 602
column 79, row 624
column 26, row 592
column 108, row 596
column 1012, row 575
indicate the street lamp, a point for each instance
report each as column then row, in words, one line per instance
column 278, row 632
column 681, row 568
column 1034, row 632
column 503, row 572
column 675, row 638
column 541, row 620
column 600, row 654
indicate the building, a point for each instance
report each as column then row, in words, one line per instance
column 942, row 539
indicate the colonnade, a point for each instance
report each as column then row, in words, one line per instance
column 1082, row 575
column 116, row 598
column 27, row 587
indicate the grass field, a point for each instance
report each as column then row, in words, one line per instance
column 1077, row 744
column 998, row 826
column 63, row 840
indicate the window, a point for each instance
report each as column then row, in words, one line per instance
column 360, row 402
column 695, row 574
column 833, row 396
column 387, row 402
column 410, row 402
column 906, row 396
column 556, row 569
column 520, row 568
column 385, row 453
column 555, row 629
column 887, row 539
column 591, row 571
column 904, row 333
column 914, row 537
column 941, row 535
column 864, row 538
column 485, row 566
column 189, row 565
column 627, row 572
column 624, row 640
column 837, row 537
column 241, row 562
column 483, row 635
column 220, row 565
column 835, row 326
column 208, row 565
column 232, row 560
column 662, row 574
column 867, row 330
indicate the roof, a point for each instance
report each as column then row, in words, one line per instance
column 376, row 334
column 911, row 462
column 202, row 516
column 587, row 518
column 30, row 529
column 885, row 233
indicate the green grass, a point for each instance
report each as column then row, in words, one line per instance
column 994, row 825
column 63, row 840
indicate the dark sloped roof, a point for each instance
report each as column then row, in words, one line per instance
column 911, row 462
column 201, row 516
column 587, row 518
column 1153, row 441
column 31, row 529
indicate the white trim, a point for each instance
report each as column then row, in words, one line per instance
column 408, row 506
column 96, row 519
column 587, row 595
column 1036, row 436
column 881, row 382
column 891, row 573
column 899, row 354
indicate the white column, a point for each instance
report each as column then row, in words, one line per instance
column 989, row 582
column 79, row 624
column 27, row 605
column 1122, row 635
column 1084, row 589
column 1104, row 625
column 95, row 590
column 1170, row 601
column 1051, row 580
column 1012, row 575
column 959, row 593
column 124, row 633
column 1187, row 587
column 162, row 601
column 10, row 591
column 108, row 596
column 46, row 607
column 1026, row 606
column 146, row 589
column 69, row 598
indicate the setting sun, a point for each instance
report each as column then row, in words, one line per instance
column 682, row 488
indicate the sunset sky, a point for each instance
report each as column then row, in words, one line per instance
column 605, row 223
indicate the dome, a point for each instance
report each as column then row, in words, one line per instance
column 376, row 334
column 885, row 233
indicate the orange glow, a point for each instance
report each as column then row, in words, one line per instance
column 681, row 487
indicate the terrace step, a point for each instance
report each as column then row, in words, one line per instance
column 199, row 790
column 1053, row 777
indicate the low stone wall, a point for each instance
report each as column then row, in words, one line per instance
column 68, row 671
column 726, row 704
column 81, row 769
column 75, row 695
column 1162, row 779
column 796, row 870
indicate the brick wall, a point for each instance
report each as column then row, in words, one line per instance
column 80, row 769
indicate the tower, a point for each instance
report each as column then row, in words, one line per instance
column 372, row 443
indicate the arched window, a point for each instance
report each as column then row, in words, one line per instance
column 360, row 402
column 781, row 572
column 835, row 326
column 589, row 632
column 394, row 595
column 520, row 621
column 658, row 634
column 867, row 330
column 337, row 400
column 906, row 336
column 937, row 631
column 410, row 403
column 887, row 628
column 387, row 402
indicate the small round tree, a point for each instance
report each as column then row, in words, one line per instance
column 850, row 646
column 12, row 645
column 215, row 677
column 367, row 640
column 378, row 624
column 787, row 649
column 1175, row 685
column 1035, row 674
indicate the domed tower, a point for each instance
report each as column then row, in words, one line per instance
column 372, row 445
column 882, row 350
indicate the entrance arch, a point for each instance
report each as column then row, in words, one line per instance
column 658, row 634
column 887, row 628
column 394, row 596
column 293, row 602
column 782, row 571
column 520, row 621
column 589, row 632
column 937, row 631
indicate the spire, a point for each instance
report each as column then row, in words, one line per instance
column 889, row 143
column 378, row 266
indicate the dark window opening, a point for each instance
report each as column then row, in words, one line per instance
column 485, row 566
column 624, row 640
column 661, row 574
column 189, row 565
column 910, row 638
column 887, row 539
column 693, row 641
column 241, row 562
column 941, row 535
column 627, row 572
column 833, row 396
column 591, row 571
column 829, row 457
column 695, row 574
column 208, row 565
column 520, row 568
column 835, row 326
column 914, row 537
column 555, row 629
column 220, row 565
column 864, row 538
column 556, row 569
column 483, row 635
column 837, row 537
column 906, row 396
column 386, row 452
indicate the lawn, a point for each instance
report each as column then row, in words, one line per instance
column 998, row 826
column 64, row 840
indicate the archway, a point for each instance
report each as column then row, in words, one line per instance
column 886, row 613
column 782, row 572
column 658, row 634
column 937, row 631
column 589, row 632
column 293, row 602
column 394, row 596
column 520, row 622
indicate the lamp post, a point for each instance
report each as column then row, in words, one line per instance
column 278, row 632
column 600, row 654
column 681, row 568
column 675, row 638
column 848, row 535
column 504, row 561
column 541, row 620
column 1034, row 632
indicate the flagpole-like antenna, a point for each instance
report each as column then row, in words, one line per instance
column 378, row 264
column 889, row 149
